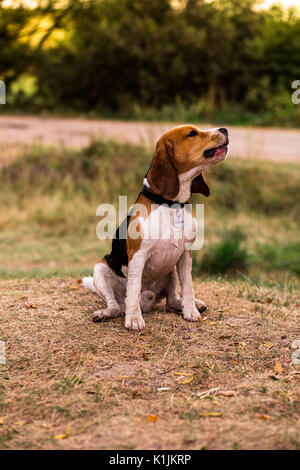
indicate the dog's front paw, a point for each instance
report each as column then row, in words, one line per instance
column 134, row 321
column 191, row 314
column 110, row 312
column 201, row 306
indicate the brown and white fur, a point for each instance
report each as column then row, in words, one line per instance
column 182, row 154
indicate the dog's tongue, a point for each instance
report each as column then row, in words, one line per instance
column 220, row 150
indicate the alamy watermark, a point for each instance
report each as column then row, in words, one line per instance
column 2, row 92
column 169, row 223
column 296, row 94
column 2, row 353
column 296, row 352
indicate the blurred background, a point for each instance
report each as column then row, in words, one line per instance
column 222, row 60
column 83, row 77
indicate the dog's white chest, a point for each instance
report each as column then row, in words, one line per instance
column 170, row 230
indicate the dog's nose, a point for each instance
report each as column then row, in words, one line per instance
column 224, row 131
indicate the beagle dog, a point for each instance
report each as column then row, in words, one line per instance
column 143, row 265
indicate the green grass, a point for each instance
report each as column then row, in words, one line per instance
column 231, row 255
column 285, row 257
column 225, row 256
column 49, row 196
column 281, row 114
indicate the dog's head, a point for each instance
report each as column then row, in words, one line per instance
column 186, row 150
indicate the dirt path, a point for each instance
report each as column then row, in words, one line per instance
column 262, row 143
column 225, row 382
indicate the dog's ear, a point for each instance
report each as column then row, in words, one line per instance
column 199, row 185
column 162, row 175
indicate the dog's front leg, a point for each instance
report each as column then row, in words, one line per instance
column 133, row 316
column 184, row 269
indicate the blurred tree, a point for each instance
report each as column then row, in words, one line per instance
column 14, row 54
column 114, row 54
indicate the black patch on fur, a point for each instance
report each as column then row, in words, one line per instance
column 118, row 256
column 159, row 199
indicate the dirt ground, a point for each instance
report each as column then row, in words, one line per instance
column 227, row 382
column 17, row 131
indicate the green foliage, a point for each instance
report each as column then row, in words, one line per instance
column 221, row 60
column 283, row 257
column 14, row 54
column 231, row 256
column 226, row 255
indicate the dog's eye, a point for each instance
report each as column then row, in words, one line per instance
column 192, row 134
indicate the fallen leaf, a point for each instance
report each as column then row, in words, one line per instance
column 79, row 281
column 30, row 306
column 211, row 414
column 226, row 393
column 152, row 418
column 20, row 423
column 265, row 346
column 74, row 287
column 269, row 300
column 2, row 420
column 145, row 357
column 58, row 437
column 266, row 417
column 188, row 381
column 184, row 373
column 278, row 368
column 212, row 323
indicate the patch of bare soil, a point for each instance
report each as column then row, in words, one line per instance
column 258, row 143
column 226, row 382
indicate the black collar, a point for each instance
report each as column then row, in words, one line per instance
column 159, row 199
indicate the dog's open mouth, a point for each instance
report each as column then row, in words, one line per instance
column 216, row 150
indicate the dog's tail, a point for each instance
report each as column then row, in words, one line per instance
column 89, row 283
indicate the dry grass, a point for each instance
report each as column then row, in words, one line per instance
column 49, row 197
column 102, row 381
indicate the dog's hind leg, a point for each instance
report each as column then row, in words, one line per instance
column 152, row 293
column 174, row 302
column 112, row 289
column 147, row 301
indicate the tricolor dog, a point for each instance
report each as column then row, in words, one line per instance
column 143, row 265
